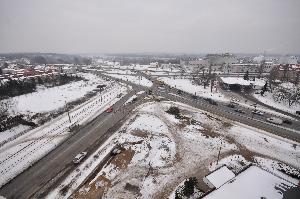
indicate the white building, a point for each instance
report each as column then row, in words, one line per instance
column 69, row 70
column 218, row 177
column 254, row 182
column 9, row 71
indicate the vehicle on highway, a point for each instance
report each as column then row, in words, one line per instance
column 274, row 120
column 212, row 102
column 239, row 111
column 79, row 157
column 231, row 105
column 194, row 97
column 109, row 110
column 286, row 121
column 257, row 112
column 134, row 99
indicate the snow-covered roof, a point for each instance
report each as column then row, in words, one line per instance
column 220, row 176
column 254, row 182
column 241, row 81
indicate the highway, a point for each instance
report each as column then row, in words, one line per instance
column 59, row 161
column 37, row 180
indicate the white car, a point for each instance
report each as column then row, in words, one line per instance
column 79, row 157
column 258, row 112
column 274, row 120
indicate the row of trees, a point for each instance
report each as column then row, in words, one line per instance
column 17, row 87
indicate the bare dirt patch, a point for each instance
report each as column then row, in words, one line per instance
column 94, row 190
column 141, row 134
column 122, row 160
column 208, row 131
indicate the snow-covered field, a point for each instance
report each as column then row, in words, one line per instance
column 19, row 154
column 49, row 99
column 186, row 85
column 160, row 152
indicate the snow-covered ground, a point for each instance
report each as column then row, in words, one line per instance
column 19, row 154
column 13, row 132
column 49, row 99
column 126, row 75
column 186, row 85
column 268, row 99
column 140, row 80
column 160, row 152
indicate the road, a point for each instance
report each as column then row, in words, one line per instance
column 52, row 168
column 60, row 159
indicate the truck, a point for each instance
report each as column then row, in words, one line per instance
column 275, row 120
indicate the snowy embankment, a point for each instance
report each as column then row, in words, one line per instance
column 161, row 151
column 187, row 86
column 268, row 99
column 284, row 96
column 19, row 154
column 13, row 132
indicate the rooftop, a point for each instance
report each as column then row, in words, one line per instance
column 254, row 182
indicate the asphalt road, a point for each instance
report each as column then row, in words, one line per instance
column 91, row 136
column 60, row 159
column 246, row 118
column 251, row 98
column 288, row 131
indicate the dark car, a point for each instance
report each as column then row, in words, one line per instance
column 179, row 92
column 258, row 112
column 286, row 121
column 212, row 102
column 231, row 105
column 194, row 97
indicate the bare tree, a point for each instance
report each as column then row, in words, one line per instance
column 4, row 107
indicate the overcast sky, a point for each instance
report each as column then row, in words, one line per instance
column 129, row 26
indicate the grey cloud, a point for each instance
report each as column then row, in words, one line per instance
column 190, row 26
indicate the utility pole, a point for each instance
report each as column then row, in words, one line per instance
column 219, row 153
column 68, row 111
column 69, row 117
